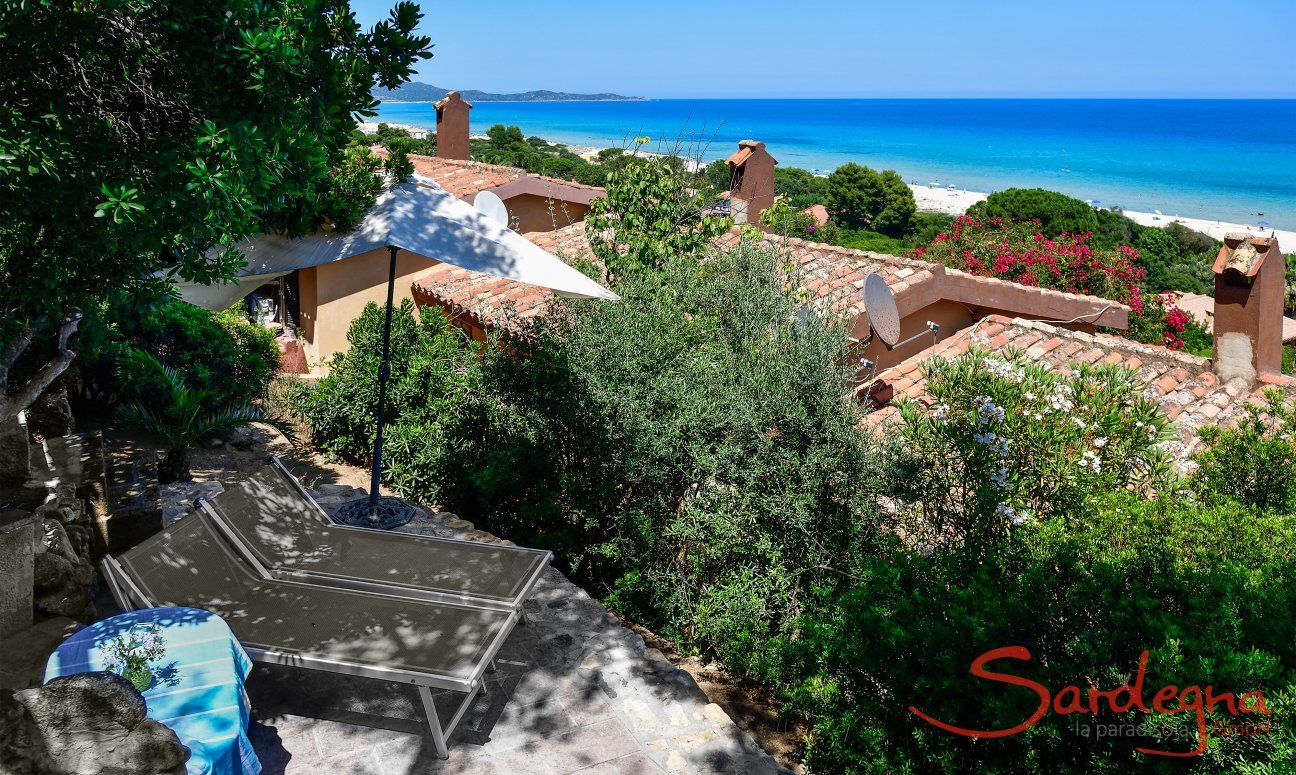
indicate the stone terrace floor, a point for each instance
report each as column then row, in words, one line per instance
column 574, row 692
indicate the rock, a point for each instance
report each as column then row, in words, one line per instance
column 54, row 538
column 95, row 724
column 67, row 509
column 70, row 601
column 51, row 571
column 15, row 450
column 215, row 442
column 50, row 416
column 243, row 438
column 338, row 490
column 178, row 497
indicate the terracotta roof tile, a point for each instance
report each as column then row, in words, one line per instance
column 464, row 179
column 1189, row 392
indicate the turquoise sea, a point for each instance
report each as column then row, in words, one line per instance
column 1231, row 160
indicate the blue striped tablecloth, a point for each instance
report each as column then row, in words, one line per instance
column 199, row 689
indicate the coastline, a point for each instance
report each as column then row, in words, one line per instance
column 956, row 202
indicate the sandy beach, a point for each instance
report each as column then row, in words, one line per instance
column 957, row 201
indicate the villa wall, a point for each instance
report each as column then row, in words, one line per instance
column 532, row 212
column 334, row 294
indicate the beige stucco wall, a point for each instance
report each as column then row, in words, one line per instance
column 334, row 294
column 531, row 213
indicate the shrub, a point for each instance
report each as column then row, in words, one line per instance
column 1162, row 323
column 220, row 354
column 1007, row 441
column 1104, row 571
column 1253, row 464
column 650, row 218
column 430, row 369
column 789, row 222
column 796, row 182
column 689, row 450
column 1057, row 214
column 1206, row 591
column 1020, row 252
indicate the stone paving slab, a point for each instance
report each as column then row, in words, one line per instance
column 573, row 692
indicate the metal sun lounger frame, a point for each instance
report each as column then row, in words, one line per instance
column 362, row 585
column 127, row 594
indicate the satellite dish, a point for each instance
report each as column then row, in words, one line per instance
column 490, row 205
column 880, row 308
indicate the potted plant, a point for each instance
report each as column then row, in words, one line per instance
column 130, row 654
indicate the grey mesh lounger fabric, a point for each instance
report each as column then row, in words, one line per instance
column 425, row 643
column 288, row 536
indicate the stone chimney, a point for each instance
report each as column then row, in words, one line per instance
column 452, row 126
column 751, row 180
column 1250, row 276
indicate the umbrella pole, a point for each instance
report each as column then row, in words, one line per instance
column 384, row 372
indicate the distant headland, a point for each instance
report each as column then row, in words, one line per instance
column 426, row 92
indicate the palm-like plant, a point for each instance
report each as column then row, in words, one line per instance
column 185, row 417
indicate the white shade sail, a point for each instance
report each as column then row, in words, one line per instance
column 417, row 216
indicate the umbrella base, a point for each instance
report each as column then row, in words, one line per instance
column 392, row 513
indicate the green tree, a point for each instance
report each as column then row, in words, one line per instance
column 862, row 198
column 650, row 218
column 795, row 182
column 898, row 206
column 145, row 138
column 716, row 176
column 1057, row 213
column 855, row 195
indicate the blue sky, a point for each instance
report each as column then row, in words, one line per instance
column 878, row 48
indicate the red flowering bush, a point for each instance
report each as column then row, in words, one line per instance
column 1162, row 322
column 1019, row 252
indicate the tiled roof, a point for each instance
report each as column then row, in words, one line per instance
column 1187, row 389
column 833, row 276
column 818, row 212
column 464, row 179
column 493, row 303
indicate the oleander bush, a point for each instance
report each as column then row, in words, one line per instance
column 690, row 451
column 431, row 366
column 1206, row 591
column 1253, row 464
column 1008, row 441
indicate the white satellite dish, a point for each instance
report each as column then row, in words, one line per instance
column 490, row 205
column 880, row 308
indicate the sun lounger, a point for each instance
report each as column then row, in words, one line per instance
column 430, row 644
column 284, row 534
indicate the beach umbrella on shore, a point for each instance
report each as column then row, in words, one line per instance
column 1263, row 224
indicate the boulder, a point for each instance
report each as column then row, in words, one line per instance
column 61, row 577
column 15, row 449
column 50, row 416
column 96, row 724
column 243, row 438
